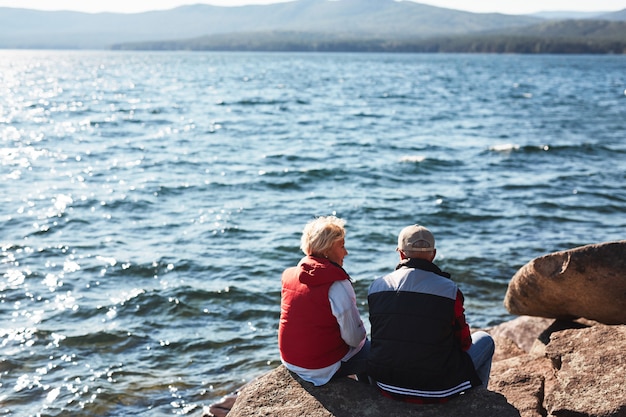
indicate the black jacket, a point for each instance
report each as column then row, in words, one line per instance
column 414, row 350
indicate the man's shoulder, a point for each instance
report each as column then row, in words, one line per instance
column 383, row 283
column 414, row 280
column 389, row 282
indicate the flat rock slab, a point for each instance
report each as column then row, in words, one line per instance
column 280, row 393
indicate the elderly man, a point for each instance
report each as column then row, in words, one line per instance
column 421, row 347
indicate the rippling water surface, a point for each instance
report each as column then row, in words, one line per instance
column 150, row 201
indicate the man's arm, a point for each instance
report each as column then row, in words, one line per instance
column 461, row 328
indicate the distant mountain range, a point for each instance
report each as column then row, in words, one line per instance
column 309, row 25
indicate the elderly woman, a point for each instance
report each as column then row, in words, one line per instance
column 321, row 334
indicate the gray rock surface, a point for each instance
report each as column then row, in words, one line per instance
column 280, row 393
column 590, row 372
column 589, row 282
column 573, row 369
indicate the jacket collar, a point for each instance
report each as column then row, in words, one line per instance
column 423, row 264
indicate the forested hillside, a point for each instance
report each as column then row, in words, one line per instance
column 555, row 37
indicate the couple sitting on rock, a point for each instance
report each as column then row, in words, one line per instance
column 421, row 349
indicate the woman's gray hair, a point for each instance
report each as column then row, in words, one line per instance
column 319, row 235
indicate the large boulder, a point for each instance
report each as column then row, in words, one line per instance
column 589, row 282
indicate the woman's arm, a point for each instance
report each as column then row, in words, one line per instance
column 343, row 305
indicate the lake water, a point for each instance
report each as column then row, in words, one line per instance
column 150, row 201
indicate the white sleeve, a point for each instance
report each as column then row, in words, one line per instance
column 343, row 306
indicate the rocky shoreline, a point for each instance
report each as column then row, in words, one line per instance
column 565, row 359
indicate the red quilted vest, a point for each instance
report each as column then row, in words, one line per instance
column 308, row 333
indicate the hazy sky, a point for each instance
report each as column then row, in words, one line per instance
column 479, row 6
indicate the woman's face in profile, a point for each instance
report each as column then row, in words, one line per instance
column 337, row 252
